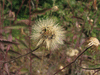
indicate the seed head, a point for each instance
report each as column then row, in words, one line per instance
column 48, row 31
column 72, row 52
column 93, row 41
column 61, row 67
column 55, row 8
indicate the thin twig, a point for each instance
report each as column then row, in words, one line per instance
column 19, row 56
column 30, row 37
column 33, row 6
column 22, row 55
column 18, row 11
column 90, row 68
column 73, row 60
column 96, row 72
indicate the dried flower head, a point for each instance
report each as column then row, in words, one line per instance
column 48, row 31
column 93, row 41
column 61, row 67
column 72, row 52
column 55, row 8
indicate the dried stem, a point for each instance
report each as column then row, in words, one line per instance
column 18, row 11
column 73, row 60
column 96, row 72
column 29, row 37
column 23, row 55
column 20, row 56
column 90, row 68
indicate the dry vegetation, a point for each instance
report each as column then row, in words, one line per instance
column 49, row 37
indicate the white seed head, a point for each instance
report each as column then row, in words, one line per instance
column 91, row 20
column 93, row 41
column 49, row 32
column 72, row 52
column 61, row 67
column 55, row 8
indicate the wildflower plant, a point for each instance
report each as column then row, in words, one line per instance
column 80, row 19
column 48, row 31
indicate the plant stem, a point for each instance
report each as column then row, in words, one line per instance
column 73, row 60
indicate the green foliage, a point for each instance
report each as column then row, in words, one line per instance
column 15, row 33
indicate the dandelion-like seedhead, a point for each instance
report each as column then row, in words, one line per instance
column 48, row 31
